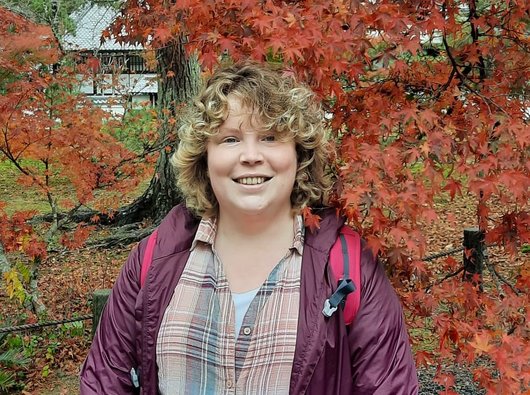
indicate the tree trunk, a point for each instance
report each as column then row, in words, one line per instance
column 34, row 302
column 174, row 90
column 4, row 263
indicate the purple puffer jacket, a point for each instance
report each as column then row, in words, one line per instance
column 372, row 356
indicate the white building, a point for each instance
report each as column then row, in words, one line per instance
column 123, row 79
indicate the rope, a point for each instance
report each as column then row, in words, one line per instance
column 450, row 252
column 43, row 324
column 442, row 254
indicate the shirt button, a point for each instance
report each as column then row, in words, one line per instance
column 229, row 383
column 247, row 330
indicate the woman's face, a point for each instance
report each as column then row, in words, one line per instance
column 251, row 172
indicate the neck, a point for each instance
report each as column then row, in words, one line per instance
column 255, row 227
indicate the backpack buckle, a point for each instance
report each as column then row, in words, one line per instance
column 328, row 309
column 331, row 305
column 135, row 379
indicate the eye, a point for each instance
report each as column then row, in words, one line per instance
column 269, row 137
column 230, row 140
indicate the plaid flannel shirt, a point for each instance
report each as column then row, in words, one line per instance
column 197, row 350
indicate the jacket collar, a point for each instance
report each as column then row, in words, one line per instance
column 179, row 221
column 322, row 239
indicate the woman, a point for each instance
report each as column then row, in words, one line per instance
column 233, row 299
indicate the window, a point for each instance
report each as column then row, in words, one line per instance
column 136, row 64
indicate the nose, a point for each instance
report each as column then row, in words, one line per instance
column 251, row 152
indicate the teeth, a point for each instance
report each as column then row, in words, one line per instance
column 251, row 180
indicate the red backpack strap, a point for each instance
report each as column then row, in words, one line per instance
column 345, row 261
column 353, row 301
column 148, row 257
column 146, row 262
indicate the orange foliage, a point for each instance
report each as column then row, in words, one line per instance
column 34, row 43
column 16, row 235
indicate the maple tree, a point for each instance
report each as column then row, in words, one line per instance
column 51, row 133
column 428, row 99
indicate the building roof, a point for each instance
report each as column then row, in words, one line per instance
column 90, row 22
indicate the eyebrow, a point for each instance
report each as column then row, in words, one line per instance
column 222, row 129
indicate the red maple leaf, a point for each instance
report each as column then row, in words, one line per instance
column 482, row 343
column 312, row 221
column 454, row 187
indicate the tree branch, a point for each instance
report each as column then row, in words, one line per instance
column 121, row 238
column 494, row 271
column 447, row 276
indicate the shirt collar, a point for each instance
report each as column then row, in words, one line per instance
column 299, row 232
column 206, row 231
column 208, row 228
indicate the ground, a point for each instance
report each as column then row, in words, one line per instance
column 68, row 279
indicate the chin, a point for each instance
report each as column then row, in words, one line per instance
column 252, row 210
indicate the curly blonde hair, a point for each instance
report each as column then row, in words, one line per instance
column 282, row 105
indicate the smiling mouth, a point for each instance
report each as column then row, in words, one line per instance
column 251, row 180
